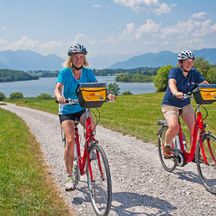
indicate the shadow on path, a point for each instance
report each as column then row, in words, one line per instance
column 188, row 176
column 127, row 203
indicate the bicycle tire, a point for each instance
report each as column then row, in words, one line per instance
column 100, row 189
column 207, row 167
column 168, row 164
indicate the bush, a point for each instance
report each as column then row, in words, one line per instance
column 2, row 96
column 15, row 95
column 127, row 93
column 161, row 78
column 113, row 88
column 44, row 96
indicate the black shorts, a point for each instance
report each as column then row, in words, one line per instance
column 72, row 116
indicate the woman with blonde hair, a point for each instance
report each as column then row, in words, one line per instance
column 75, row 71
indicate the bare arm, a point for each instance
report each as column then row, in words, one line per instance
column 58, row 90
column 173, row 88
column 204, row 82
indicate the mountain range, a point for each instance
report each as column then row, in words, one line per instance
column 162, row 58
column 28, row 60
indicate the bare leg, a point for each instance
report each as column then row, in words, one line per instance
column 68, row 127
column 173, row 128
column 189, row 119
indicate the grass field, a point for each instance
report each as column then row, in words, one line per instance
column 135, row 115
column 25, row 187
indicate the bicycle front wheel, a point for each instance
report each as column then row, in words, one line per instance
column 168, row 164
column 99, row 181
column 206, row 162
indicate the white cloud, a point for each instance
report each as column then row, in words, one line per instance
column 3, row 43
column 199, row 16
column 154, row 5
column 23, row 43
column 162, row 9
column 3, row 28
column 83, row 39
column 153, row 36
column 132, row 32
column 51, row 44
column 97, row 6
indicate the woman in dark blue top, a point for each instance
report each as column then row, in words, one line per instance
column 181, row 80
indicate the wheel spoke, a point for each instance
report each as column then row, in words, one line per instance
column 99, row 182
column 206, row 163
column 168, row 164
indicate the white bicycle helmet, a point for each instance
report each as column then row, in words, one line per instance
column 77, row 48
column 186, row 54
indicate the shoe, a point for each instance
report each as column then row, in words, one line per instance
column 70, row 184
column 167, row 152
column 93, row 155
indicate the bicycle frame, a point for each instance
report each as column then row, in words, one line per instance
column 89, row 140
column 198, row 132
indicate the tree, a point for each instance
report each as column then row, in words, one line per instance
column 161, row 78
column 202, row 66
column 2, row 96
column 44, row 96
column 211, row 75
column 113, row 88
column 16, row 95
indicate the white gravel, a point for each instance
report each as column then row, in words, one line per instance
column 140, row 185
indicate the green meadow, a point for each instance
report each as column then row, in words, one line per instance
column 135, row 115
column 25, row 187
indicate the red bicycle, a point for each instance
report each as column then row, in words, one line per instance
column 203, row 147
column 93, row 162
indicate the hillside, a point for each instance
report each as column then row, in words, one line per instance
column 28, row 60
column 14, row 75
column 162, row 58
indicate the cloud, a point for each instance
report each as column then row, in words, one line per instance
column 3, row 28
column 83, row 39
column 162, row 9
column 51, row 44
column 154, row 36
column 3, row 43
column 154, row 5
column 199, row 16
column 23, row 43
column 97, row 6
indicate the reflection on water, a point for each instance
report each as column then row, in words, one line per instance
column 46, row 85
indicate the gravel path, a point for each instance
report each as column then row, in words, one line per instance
column 140, row 185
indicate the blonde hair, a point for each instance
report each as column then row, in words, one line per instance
column 68, row 62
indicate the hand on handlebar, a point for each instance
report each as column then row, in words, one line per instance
column 111, row 97
column 179, row 95
column 61, row 100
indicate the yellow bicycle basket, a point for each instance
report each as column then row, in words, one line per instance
column 91, row 95
column 205, row 93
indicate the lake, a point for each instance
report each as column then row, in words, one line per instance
column 34, row 88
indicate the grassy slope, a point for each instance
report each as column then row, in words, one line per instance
column 25, row 187
column 136, row 115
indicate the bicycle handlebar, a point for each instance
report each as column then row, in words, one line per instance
column 186, row 96
column 75, row 101
column 70, row 101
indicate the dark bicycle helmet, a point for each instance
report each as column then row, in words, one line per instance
column 186, row 54
column 77, row 48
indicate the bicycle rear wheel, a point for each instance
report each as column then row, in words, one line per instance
column 206, row 162
column 168, row 164
column 99, row 183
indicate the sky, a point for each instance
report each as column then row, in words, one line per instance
column 107, row 27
